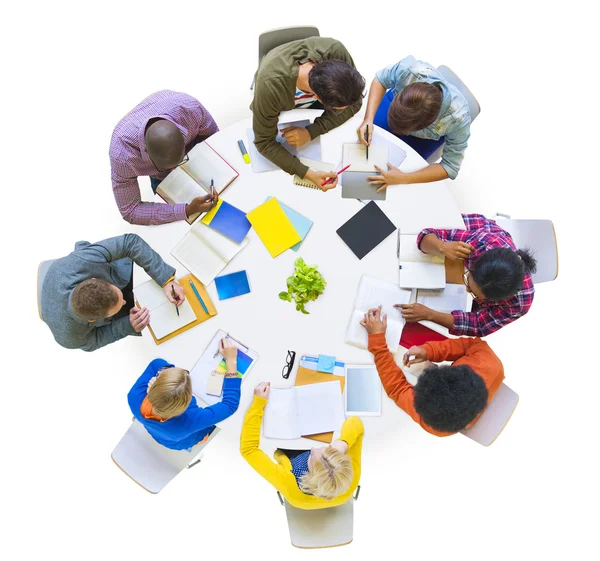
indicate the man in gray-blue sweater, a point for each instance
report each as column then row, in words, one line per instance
column 87, row 296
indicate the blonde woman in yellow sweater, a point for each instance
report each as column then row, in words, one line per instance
column 312, row 479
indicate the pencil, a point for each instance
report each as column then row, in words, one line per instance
column 330, row 178
column 198, row 296
column 175, row 296
column 367, row 139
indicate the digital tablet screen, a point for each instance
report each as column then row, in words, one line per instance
column 363, row 390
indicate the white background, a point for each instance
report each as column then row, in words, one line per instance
column 71, row 71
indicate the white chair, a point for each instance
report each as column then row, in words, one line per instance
column 268, row 40
column 540, row 237
column 494, row 418
column 474, row 107
column 41, row 275
column 326, row 527
column 148, row 463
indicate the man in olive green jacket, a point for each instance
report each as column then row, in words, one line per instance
column 317, row 71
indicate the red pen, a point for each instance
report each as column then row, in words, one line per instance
column 341, row 171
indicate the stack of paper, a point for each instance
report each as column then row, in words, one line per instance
column 304, row 410
column 301, row 224
column 163, row 314
column 274, row 227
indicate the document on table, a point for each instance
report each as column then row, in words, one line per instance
column 355, row 155
column 453, row 297
column 304, row 410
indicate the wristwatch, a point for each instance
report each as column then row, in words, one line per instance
column 231, row 375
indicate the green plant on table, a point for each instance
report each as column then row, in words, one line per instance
column 305, row 285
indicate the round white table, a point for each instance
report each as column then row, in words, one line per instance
column 271, row 326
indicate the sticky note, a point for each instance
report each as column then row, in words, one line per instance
column 326, row 364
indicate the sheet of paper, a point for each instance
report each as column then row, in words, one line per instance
column 356, row 334
column 164, row 319
column 396, row 154
column 373, row 292
column 453, row 297
column 421, row 275
column 281, row 415
column 320, row 407
column 355, row 155
column 205, row 164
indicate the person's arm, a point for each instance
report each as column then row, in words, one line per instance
column 136, row 249
column 250, row 442
column 376, row 93
column 486, row 320
column 105, row 335
column 393, row 176
column 452, row 349
column 453, row 153
column 352, row 434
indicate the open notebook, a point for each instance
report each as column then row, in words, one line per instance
column 316, row 166
column 355, row 155
column 417, row 269
column 371, row 294
column 193, row 178
column 304, row 410
column 453, row 297
column 163, row 314
column 205, row 252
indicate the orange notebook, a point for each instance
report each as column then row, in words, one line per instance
column 201, row 315
column 305, row 377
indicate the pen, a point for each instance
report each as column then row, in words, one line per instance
column 398, row 245
column 243, row 151
column 199, row 297
column 329, row 179
column 367, row 139
column 175, row 296
column 213, row 191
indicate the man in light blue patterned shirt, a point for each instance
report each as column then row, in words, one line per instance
column 423, row 109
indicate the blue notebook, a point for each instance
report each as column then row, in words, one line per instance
column 301, row 224
column 234, row 284
column 228, row 220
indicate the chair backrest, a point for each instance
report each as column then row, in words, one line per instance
column 540, row 237
column 42, row 271
column 268, row 40
column 448, row 74
column 148, row 463
column 326, row 527
column 494, row 418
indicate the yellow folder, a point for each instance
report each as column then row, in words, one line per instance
column 273, row 227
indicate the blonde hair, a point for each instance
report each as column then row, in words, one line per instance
column 171, row 393
column 330, row 475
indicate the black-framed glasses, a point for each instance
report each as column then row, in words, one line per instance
column 289, row 364
column 186, row 159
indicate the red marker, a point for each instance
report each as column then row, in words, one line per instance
column 341, row 171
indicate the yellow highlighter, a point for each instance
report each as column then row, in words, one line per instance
column 244, row 152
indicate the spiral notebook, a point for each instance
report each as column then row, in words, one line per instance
column 316, row 166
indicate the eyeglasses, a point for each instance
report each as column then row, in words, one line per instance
column 289, row 364
column 465, row 279
column 186, row 159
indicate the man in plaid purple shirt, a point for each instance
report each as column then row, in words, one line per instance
column 153, row 139
column 498, row 276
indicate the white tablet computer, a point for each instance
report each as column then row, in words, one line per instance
column 363, row 390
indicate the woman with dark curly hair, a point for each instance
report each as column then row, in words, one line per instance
column 446, row 399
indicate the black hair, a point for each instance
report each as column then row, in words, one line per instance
column 336, row 83
column 499, row 272
column 448, row 398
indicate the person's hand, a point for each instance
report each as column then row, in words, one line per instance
column 418, row 354
column 457, row 251
column 374, row 321
column 179, row 293
column 391, row 176
column 263, row 389
column 228, row 349
column 319, row 177
column 201, row 204
column 296, row 136
column 414, row 312
column 362, row 132
column 139, row 318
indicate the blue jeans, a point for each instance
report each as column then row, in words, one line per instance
column 423, row 146
column 154, row 183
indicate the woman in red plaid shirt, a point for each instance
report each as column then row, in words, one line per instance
column 497, row 276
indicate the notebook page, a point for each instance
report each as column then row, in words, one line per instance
column 374, row 292
column 164, row 319
column 281, row 415
column 179, row 188
column 357, row 336
column 205, row 164
column 197, row 257
column 355, row 155
column 410, row 252
column 150, row 295
column 320, row 407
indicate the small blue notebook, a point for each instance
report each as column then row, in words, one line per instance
column 301, row 224
column 234, row 284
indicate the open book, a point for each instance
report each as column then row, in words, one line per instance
column 205, row 252
column 417, row 269
column 453, row 297
column 163, row 314
column 193, row 178
column 304, row 410
column 371, row 294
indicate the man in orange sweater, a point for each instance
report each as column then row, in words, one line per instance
column 446, row 399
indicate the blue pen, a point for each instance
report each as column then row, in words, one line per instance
column 198, row 296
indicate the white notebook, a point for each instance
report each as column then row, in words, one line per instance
column 193, row 178
column 205, row 252
column 355, row 155
column 371, row 294
column 304, row 410
column 163, row 314
column 453, row 297
column 417, row 269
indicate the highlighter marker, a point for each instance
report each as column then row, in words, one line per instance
column 243, row 151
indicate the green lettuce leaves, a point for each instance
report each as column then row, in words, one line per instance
column 305, row 285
